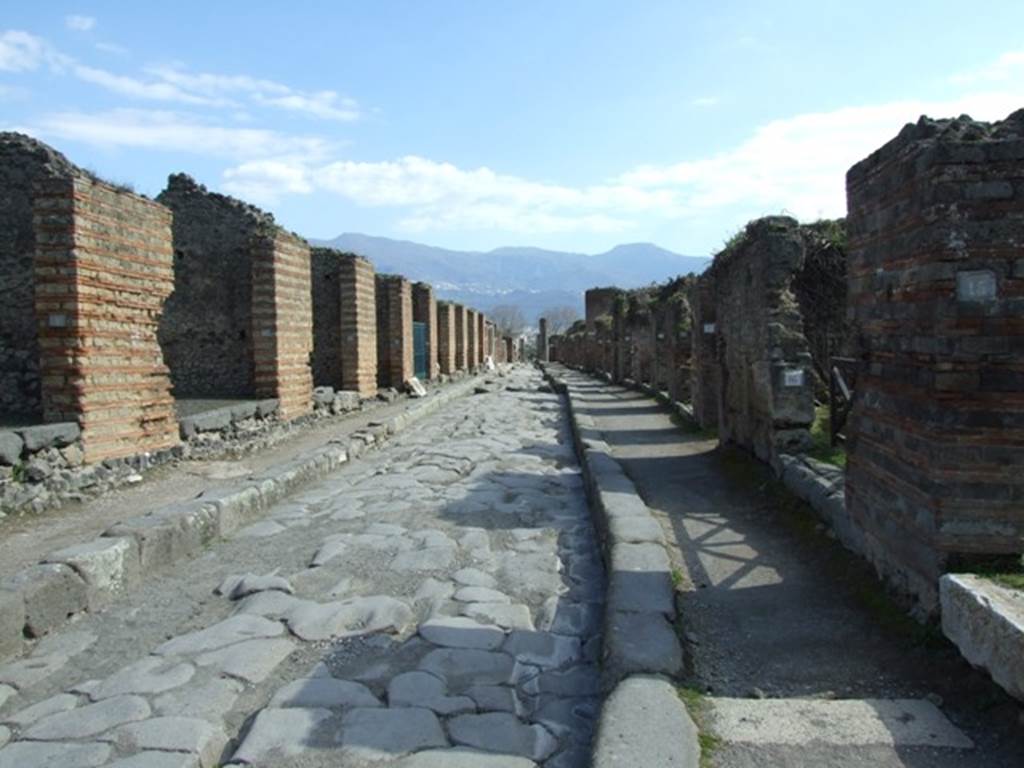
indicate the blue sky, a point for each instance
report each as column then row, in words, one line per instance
column 572, row 125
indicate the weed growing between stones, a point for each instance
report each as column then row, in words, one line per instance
column 822, row 448
column 699, row 707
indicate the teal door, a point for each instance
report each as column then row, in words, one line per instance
column 419, row 350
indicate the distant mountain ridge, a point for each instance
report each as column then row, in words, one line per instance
column 534, row 279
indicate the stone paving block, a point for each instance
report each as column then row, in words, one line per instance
column 6, row 693
column 461, row 668
column 644, row 723
column 635, row 529
column 502, row 732
column 23, row 754
column 462, row 758
column 514, row 616
column 462, row 632
column 44, row 436
column 282, row 733
column 89, row 720
column 232, row 630
column 324, row 693
column 108, row 565
column 174, row 734
column 62, row 702
column 51, row 592
column 251, row 660
column 150, row 675
column 157, row 760
column 640, row 579
column 422, row 689
column 543, row 649
column 12, row 622
column 10, row 448
column 5, row 735
column 210, row 699
column 374, row 734
column 349, row 618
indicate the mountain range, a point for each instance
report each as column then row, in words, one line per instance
column 534, row 279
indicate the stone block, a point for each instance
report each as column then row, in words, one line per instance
column 268, row 407
column 12, row 622
column 51, row 592
column 170, row 534
column 639, row 643
column 323, row 395
column 216, row 420
column 640, row 579
column 10, row 448
column 347, row 400
column 109, row 566
column 243, row 411
column 49, row 435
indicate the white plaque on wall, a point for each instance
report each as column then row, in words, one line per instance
column 709, row 327
column 793, row 377
column 976, row 285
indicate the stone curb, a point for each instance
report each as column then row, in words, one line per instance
column 88, row 576
column 641, row 651
column 986, row 622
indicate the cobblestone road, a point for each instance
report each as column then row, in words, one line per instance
column 439, row 597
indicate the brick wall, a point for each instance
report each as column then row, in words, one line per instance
column 542, row 340
column 103, row 269
column 481, row 338
column 765, row 371
column 394, row 331
column 472, row 341
column 358, row 316
column 936, row 289
column 704, row 373
column 446, row 337
column 424, row 310
column 461, row 338
column 282, row 320
column 326, row 362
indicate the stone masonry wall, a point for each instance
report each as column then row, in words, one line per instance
column 23, row 162
column 764, row 364
column 472, row 341
column 481, row 338
column 936, row 290
column 461, row 338
column 103, row 270
column 424, row 310
column 326, row 361
column 282, row 330
column 394, row 331
column 357, row 286
column 206, row 330
column 446, row 338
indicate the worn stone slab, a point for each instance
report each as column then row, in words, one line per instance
column 640, row 643
column 640, row 579
column 23, row 754
column 232, row 630
column 174, row 734
column 371, row 734
column 236, row 587
column 643, row 722
column 280, row 733
column 422, row 689
column 324, row 693
column 89, row 720
column 462, row 758
column 209, row 699
column 250, row 660
column 62, row 702
column 838, row 722
column 12, row 622
column 157, row 760
column 10, row 448
column 502, row 732
column 52, row 593
column 5, row 735
column 515, row 616
column 170, row 534
column 151, row 675
column 26, row 672
column 481, row 595
column 544, row 649
column 494, row 698
column 349, row 618
column 462, row 632
column 474, row 577
column 637, row 529
column 109, row 566
column 462, row 667
column 428, row 559
column 986, row 622
column 44, row 436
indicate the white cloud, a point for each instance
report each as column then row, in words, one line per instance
column 705, row 101
column 140, row 89
column 1008, row 67
column 173, row 131
column 117, row 50
column 80, row 23
column 21, row 52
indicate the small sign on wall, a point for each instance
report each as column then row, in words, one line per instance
column 976, row 285
column 793, row 377
column 57, row 321
column 709, row 327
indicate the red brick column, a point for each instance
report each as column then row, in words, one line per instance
column 446, row 337
column 358, row 297
column 461, row 338
column 424, row 310
column 394, row 331
column 481, row 338
column 472, row 342
column 103, row 269
column 936, row 280
column 282, row 321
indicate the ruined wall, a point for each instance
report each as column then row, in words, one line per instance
column 282, row 321
column 461, row 338
column 23, row 162
column 206, row 330
column 357, row 286
column 326, row 361
column 704, row 372
column 472, row 339
column 599, row 305
column 394, row 331
column 424, row 310
column 542, row 340
column 103, row 270
column 446, row 337
column 936, row 290
column 481, row 338
column 764, row 363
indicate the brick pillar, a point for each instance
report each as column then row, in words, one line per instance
column 103, row 270
column 542, row 341
column 704, row 377
column 424, row 310
column 936, row 280
column 394, row 331
column 282, row 321
column 446, row 337
column 357, row 289
column 481, row 338
column 461, row 338
column 472, row 344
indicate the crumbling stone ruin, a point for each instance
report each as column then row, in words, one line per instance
column 394, row 331
column 239, row 323
column 424, row 310
column 446, row 338
column 461, row 338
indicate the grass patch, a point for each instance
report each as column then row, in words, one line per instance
column 821, row 441
column 699, row 707
column 1006, row 571
column 1011, row 580
column 677, row 578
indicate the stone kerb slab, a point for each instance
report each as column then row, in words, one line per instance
column 39, row 599
column 986, row 622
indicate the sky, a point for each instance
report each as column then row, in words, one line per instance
column 572, row 125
